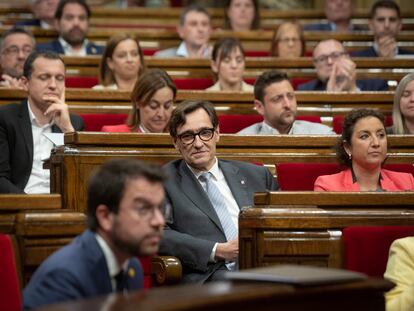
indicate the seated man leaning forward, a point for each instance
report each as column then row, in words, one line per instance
column 337, row 72
column 125, row 198
column 194, row 30
column 205, row 195
column 24, row 126
column 275, row 100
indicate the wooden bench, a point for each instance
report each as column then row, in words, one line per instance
column 327, row 105
column 72, row 164
column 306, row 227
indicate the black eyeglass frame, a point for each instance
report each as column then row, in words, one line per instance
column 210, row 130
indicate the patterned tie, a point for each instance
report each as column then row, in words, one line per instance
column 217, row 200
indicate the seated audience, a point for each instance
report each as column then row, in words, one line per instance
column 205, row 195
column 121, row 64
column 241, row 15
column 125, row 220
column 24, row 126
column 72, row 22
column 362, row 148
column 385, row 23
column 15, row 46
column 339, row 14
column 44, row 14
column 400, row 270
column 152, row 103
column 228, row 64
column 337, row 72
column 194, row 30
column 275, row 100
column 288, row 41
column 403, row 108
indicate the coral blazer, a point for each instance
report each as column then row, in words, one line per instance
column 120, row 128
column 342, row 181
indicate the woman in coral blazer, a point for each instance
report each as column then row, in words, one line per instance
column 152, row 104
column 363, row 150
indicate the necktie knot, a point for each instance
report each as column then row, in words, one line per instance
column 120, row 281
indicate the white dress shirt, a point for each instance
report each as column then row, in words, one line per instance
column 69, row 51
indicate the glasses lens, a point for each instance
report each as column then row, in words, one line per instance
column 187, row 138
column 206, row 134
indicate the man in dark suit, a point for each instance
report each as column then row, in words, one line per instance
column 44, row 13
column 24, row 126
column 72, row 22
column 337, row 72
column 385, row 23
column 205, row 195
column 125, row 198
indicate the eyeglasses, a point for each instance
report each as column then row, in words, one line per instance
column 14, row 50
column 205, row 135
column 324, row 58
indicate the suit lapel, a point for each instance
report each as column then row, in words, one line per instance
column 237, row 183
column 26, row 127
column 199, row 196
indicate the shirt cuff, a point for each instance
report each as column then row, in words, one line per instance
column 213, row 254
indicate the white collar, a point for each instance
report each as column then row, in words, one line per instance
column 33, row 119
column 111, row 261
column 67, row 48
column 214, row 170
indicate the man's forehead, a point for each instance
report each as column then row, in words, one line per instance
column 195, row 15
column 195, row 120
column 18, row 39
column 42, row 64
column 278, row 88
column 72, row 8
column 328, row 47
column 385, row 11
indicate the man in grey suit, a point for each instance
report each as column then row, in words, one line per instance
column 195, row 31
column 205, row 195
column 275, row 100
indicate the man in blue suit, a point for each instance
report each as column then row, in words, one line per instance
column 337, row 72
column 125, row 198
column 385, row 23
column 72, row 22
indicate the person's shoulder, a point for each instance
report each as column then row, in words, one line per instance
column 317, row 27
column 253, row 129
column 405, row 52
column 243, row 165
column 171, row 52
column 29, row 22
column 400, row 175
column 308, row 86
column 53, row 45
column 372, row 84
column 369, row 52
column 94, row 49
column 314, row 127
column 173, row 165
column 10, row 111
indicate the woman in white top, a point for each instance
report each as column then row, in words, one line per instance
column 121, row 64
column 228, row 64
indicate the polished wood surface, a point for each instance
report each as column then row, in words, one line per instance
column 306, row 227
column 360, row 295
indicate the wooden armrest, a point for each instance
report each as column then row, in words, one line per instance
column 166, row 270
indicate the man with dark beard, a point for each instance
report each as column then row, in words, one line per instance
column 125, row 220
column 72, row 22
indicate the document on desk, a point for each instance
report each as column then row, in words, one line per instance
column 296, row 275
column 56, row 138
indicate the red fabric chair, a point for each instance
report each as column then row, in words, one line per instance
column 366, row 248
column 193, row 83
column 256, row 53
column 338, row 122
column 81, row 82
column 232, row 123
column 400, row 167
column 146, row 267
column 10, row 297
column 94, row 122
column 302, row 176
column 296, row 81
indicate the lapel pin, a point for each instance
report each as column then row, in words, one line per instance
column 131, row 272
column 242, row 182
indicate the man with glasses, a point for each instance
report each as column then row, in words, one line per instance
column 337, row 72
column 275, row 100
column 205, row 195
column 15, row 46
column 125, row 220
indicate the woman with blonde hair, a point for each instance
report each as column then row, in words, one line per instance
column 152, row 104
column 121, row 64
column 288, row 41
column 403, row 108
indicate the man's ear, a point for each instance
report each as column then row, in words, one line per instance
column 258, row 105
column 104, row 217
column 180, row 32
column 218, row 133
column 175, row 143
column 370, row 26
column 25, row 83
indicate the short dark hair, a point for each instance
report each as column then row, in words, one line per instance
column 107, row 184
column 265, row 79
column 192, row 8
column 348, row 130
column 28, row 64
column 223, row 48
column 387, row 4
column 13, row 31
column 62, row 3
column 256, row 19
column 179, row 114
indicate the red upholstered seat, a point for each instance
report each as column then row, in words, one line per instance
column 257, row 53
column 338, row 122
column 302, row 176
column 10, row 297
column 146, row 267
column 193, row 83
column 296, row 81
column 366, row 248
column 81, row 82
column 94, row 122
column 232, row 123
column 400, row 167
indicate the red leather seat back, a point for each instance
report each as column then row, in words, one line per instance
column 232, row 123
column 193, row 83
column 94, row 122
column 338, row 123
column 366, row 248
column 81, row 82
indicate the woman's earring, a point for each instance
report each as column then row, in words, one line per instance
column 350, row 156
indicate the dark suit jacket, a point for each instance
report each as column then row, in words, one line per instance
column 325, row 27
column 370, row 52
column 55, row 46
column 193, row 226
column 29, row 22
column 16, row 146
column 78, row 270
column 363, row 85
